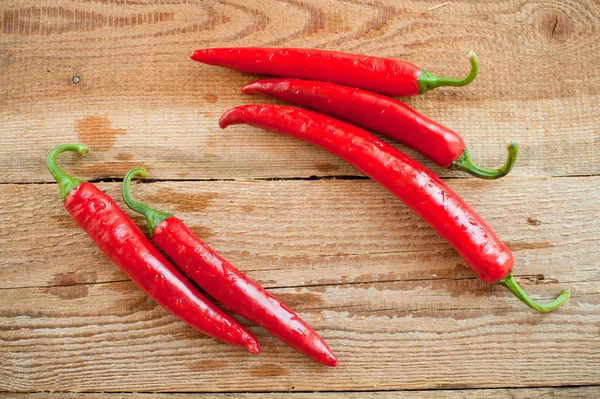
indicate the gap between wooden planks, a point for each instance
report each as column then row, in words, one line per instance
column 529, row 393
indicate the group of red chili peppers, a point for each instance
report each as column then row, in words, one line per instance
column 343, row 86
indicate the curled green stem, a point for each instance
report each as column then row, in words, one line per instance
column 428, row 81
column 464, row 163
column 153, row 217
column 510, row 283
column 65, row 182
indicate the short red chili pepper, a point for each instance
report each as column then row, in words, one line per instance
column 225, row 283
column 384, row 115
column 417, row 187
column 381, row 75
column 124, row 244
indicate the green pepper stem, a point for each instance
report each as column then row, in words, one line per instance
column 464, row 163
column 428, row 81
column 65, row 182
column 153, row 217
column 510, row 283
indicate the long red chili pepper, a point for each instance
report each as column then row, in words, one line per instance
column 414, row 185
column 124, row 244
column 381, row 75
column 384, row 115
column 225, row 283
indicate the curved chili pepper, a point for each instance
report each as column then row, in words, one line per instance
column 381, row 75
column 225, row 283
column 124, row 244
column 384, row 115
column 417, row 187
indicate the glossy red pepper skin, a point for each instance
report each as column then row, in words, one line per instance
column 124, row 244
column 382, row 75
column 417, row 187
column 237, row 292
column 370, row 110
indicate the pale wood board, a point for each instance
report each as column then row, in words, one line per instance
column 356, row 231
column 388, row 295
column 396, row 303
column 540, row 393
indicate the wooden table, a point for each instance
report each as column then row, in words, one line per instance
column 399, row 307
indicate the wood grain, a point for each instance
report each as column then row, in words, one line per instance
column 382, row 289
column 140, row 100
column 531, row 393
column 263, row 228
column 385, row 335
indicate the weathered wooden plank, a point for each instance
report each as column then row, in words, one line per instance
column 295, row 233
column 531, row 393
column 409, row 318
column 140, row 100
column 386, row 335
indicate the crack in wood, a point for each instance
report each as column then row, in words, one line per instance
column 258, row 392
column 524, row 279
column 297, row 178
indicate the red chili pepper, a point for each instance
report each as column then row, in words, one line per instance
column 124, row 244
column 225, row 283
column 381, row 75
column 384, row 115
column 414, row 185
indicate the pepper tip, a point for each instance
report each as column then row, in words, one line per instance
column 331, row 360
column 251, row 88
column 228, row 118
column 326, row 356
column 194, row 55
column 253, row 347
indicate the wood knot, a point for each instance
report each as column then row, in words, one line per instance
column 555, row 25
column 533, row 222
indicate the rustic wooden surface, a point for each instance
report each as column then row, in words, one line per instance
column 540, row 393
column 397, row 305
